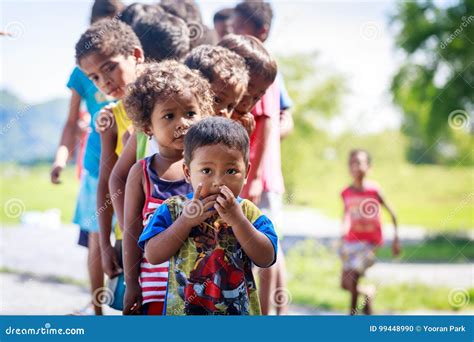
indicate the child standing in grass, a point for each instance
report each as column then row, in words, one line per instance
column 211, row 236
column 362, row 229
column 163, row 103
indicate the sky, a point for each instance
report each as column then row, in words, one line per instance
column 352, row 38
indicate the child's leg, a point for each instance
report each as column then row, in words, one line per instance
column 349, row 281
column 96, row 273
column 266, row 288
column 282, row 307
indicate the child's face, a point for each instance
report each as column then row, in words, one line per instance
column 111, row 74
column 257, row 87
column 359, row 165
column 171, row 119
column 223, row 27
column 241, row 25
column 214, row 166
column 226, row 97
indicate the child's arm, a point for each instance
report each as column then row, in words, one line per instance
column 165, row 244
column 256, row 245
column 396, row 248
column 68, row 138
column 132, row 254
column 105, row 210
column 254, row 188
column 119, row 176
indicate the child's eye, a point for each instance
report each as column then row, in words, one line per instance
column 232, row 171
column 168, row 116
column 110, row 68
column 191, row 114
column 217, row 99
column 206, row 171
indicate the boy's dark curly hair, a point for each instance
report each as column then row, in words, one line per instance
column 132, row 13
column 213, row 131
column 109, row 37
column 257, row 58
column 160, row 81
column 162, row 36
column 105, row 9
column 218, row 63
column 259, row 13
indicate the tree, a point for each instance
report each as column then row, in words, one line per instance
column 435, row 86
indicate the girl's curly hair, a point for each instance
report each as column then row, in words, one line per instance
column 218, row 63
column 158, row 82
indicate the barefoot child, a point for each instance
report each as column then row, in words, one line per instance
column 164, row 102
column 212, row 237
column 362, row 229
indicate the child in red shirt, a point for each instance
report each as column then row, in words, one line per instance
column 362, row 229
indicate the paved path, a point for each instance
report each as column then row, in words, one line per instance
column 44, row 271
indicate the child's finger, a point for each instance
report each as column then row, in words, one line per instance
column 208, row 206
column 222, row 201
column 227, row 193
column 197, row 193
column 209, row 198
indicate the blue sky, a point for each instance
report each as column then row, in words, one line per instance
column 352, row 38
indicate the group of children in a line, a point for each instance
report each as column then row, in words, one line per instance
column 182, row 160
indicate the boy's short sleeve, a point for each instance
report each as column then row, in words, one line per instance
column 262, row 223
column 160, row 221
column 285, row 99
column 75, row 81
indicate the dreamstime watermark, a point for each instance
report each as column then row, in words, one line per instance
column 46, row 330
column 14, row 30
column 103, row 295
column 14, row 121
column 369, row 30
column 196, row 30
column 193, row 208
column 459, row 119
column 369, row 208
column 280, row 297
column 465, row 23
column 104, row 207
column 14, row 208
column 458, row 298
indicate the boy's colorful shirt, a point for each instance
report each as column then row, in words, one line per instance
column 123, row 125
column 210, row 274
column 362, row 209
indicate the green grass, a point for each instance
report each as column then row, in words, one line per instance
column 30, row 189
column 314, row 278
column 437, row 197
column 435, row 249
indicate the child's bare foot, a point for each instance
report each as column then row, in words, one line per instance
column 369, row 291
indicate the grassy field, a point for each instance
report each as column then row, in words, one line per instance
column 314, row 281
column 437, row 197
column 30, row 189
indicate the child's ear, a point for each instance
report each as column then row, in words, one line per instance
column 139, row 55
column 187, row 173
column 147, row 130
column 247, row 172
column 263, row 33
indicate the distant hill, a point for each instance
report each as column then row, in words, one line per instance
column 30, row 133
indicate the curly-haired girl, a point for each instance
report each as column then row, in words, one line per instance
column 164, row 101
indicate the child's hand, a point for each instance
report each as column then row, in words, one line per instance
column 105, row 119
column 56, row 173
column 228, row 208
column 248, row 121
column 198, row 210
column 110, row 263
column 132, row 300
column 396, row 248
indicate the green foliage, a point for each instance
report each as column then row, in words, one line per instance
column 434, row 86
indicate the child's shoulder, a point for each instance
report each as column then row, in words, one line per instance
column 250, row 210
